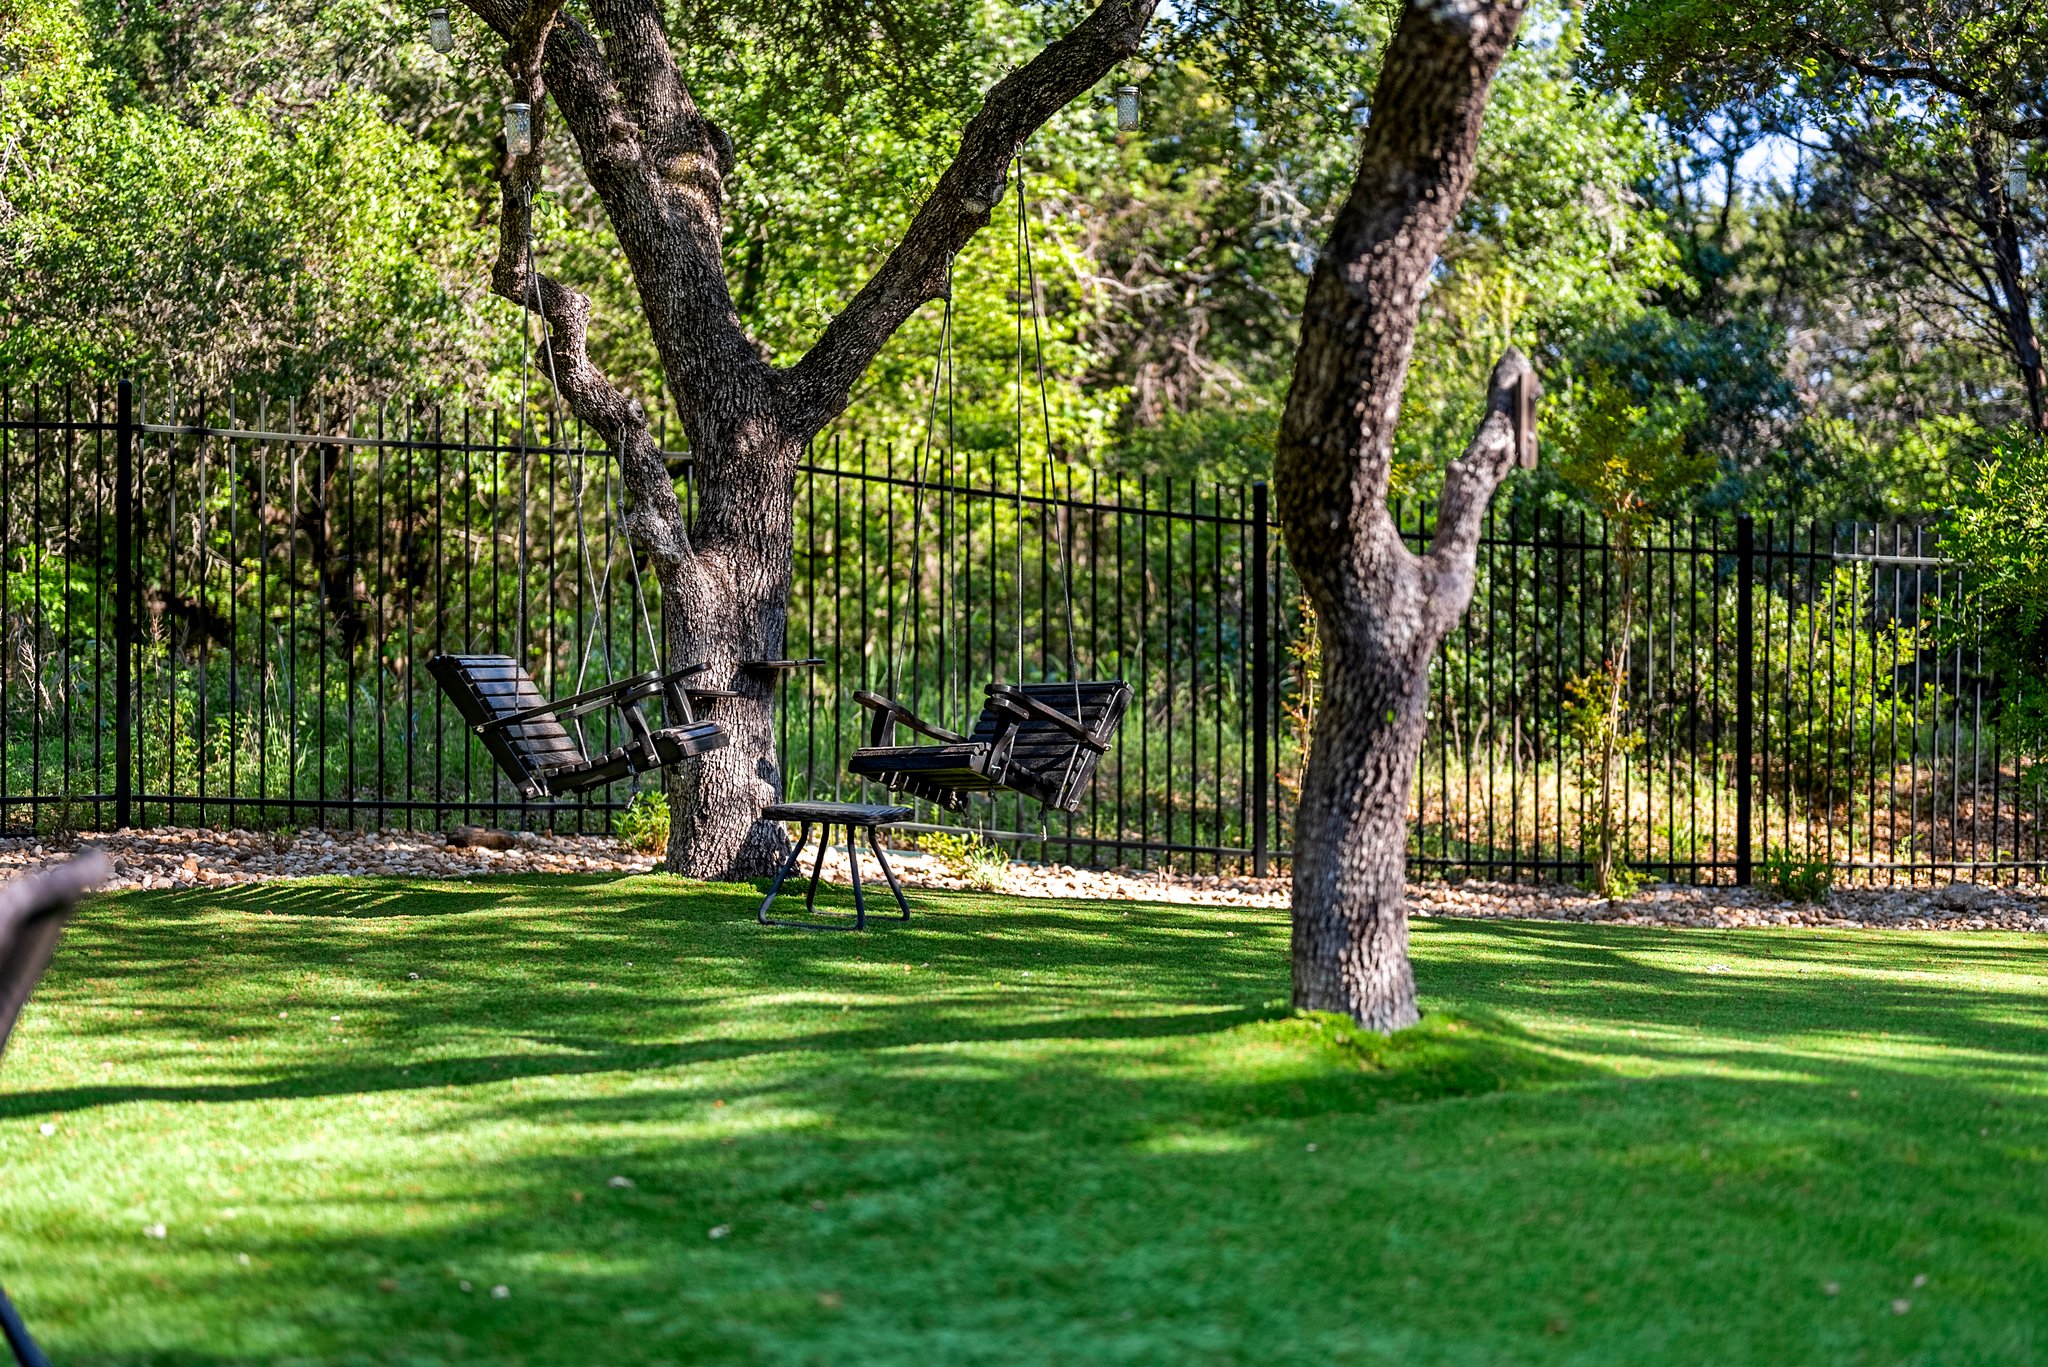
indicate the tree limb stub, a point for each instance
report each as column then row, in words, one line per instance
column 1469, row 485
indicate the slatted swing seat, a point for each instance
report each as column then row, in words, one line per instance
column 1042, row 740
column 530, row 737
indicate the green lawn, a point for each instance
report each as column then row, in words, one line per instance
column 1013, row 1132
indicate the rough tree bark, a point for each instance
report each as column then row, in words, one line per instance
column 1380, row 609
column 659, row 166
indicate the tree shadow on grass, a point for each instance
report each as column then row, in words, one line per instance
column 1075, row 1134
column 651, row 974
column 1255, row 1193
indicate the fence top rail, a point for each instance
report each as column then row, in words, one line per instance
column 165, row 429
column 1019, row 495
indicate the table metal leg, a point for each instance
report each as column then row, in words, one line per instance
column 796, row 853
column 860, row 906
column 875, row 844
column 817, row 870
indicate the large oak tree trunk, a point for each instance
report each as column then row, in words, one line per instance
column 1381, row 610
column 727, row 605
column 659, row 166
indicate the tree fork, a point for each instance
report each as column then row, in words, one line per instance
column 1382, row 610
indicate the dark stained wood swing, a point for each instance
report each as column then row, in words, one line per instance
column 530, row 737
column 1042, row 740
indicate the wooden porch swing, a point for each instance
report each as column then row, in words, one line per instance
column 1041, row 740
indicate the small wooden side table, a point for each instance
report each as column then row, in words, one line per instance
column 854, row 816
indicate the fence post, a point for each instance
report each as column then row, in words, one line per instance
column 1745, row 687
column 1262, row 668
column 124, row 604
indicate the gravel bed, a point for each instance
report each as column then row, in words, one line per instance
column 182, row 857
column 187, row 858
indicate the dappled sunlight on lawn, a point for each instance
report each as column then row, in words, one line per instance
column 1005, row 1132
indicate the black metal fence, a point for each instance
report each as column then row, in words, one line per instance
column 218, row 617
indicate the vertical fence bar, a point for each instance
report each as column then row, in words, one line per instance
column 124, row 604
column 1262, row 656
column 1745, row 687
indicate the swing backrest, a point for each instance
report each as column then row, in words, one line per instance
column 487, row 687
column 1043, row 760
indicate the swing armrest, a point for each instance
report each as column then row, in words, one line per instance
column 888, row 709
column 1022, row 706
column 582, row 704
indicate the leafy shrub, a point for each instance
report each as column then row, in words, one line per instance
column 61, row 819
column 1799, row 880
column 969, row 858
column 1999, row 529
column 643, row 826
column 1836, row 691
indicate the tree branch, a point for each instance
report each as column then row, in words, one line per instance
column 656, row 516
column 1334, row 454
column 815, row 389
column 1469, row 484
column 1888, row 73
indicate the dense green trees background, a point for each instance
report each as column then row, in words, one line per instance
column 295, row 198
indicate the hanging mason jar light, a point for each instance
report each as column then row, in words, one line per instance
column 1126, row 108
column 439, row 32
column 2016, row 179
column 519, row 128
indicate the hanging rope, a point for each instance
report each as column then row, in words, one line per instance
column 1023, row 301
column 1030, row 269
column 942, row 362
column 614, row 509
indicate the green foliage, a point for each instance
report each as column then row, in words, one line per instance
column 1808, row 879
column 1630, row 460
column 222, row 243
column 1596, row 724
column 61, row 819
column 1836, row 688
column 1877, row 262
column 1999, row 530
column 643, row 824
column 977, row 862
column 1298, row 704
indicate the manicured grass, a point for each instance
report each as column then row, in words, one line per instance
column 1013, row 1132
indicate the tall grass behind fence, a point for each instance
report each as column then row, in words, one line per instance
column 1873, row 745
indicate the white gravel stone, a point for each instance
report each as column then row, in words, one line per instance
column 187, row 858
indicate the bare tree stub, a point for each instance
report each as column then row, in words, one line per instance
column 659, row 166
column 1381, row 609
